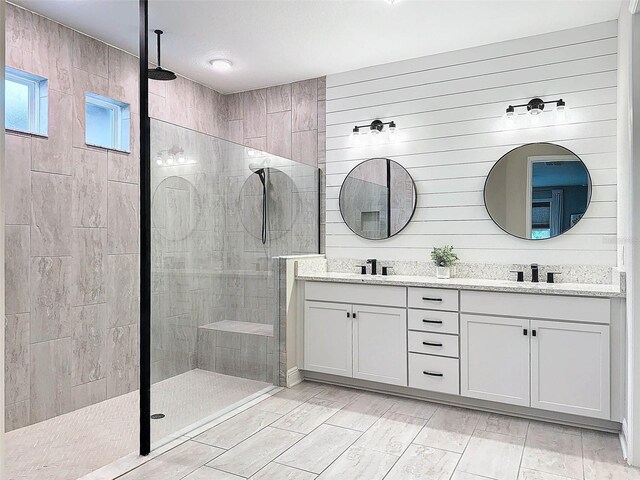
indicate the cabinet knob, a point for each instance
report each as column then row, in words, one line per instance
column 525, row 331
column 534, row 333
column 348, row 315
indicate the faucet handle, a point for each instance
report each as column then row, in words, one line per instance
column 520, row 273
column 550, row 275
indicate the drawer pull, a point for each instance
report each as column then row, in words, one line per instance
column 431, row 299
column 433, row 374
column 432, row 321
column 432, row 344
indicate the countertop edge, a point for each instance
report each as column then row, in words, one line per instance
column 575, row 290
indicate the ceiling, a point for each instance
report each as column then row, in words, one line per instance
column 272, row 42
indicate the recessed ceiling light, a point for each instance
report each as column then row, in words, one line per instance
column 221, row 64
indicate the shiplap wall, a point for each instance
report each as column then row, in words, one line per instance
column 449, row 109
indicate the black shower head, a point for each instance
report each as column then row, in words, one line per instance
column 160, row 73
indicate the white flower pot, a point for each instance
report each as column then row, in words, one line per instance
column 443, row 272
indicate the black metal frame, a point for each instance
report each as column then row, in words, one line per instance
column 145, row 234
column 486, row 180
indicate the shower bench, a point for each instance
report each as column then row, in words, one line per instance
column 240, row 349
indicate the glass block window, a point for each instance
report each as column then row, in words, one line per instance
column 108, row 123
column 26, row 100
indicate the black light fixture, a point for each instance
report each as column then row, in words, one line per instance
column 376, row 127
column 535, row 106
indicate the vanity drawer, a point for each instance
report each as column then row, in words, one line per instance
column 438, row 374
column 433, row 343
column 433, row 298
column 433, row 321
column 385, row 295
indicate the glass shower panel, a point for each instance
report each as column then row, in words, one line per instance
column 221, row 213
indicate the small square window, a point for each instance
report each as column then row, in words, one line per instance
column 108, row 122
column 26, row 100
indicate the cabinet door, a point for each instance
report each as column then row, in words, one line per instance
column 328, row 338
column 494, row 358
column 570, row 368
column 380, row 344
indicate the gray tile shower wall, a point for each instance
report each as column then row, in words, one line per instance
column 72, row 224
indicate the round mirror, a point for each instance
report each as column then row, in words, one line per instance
column 377, row 199
column 537, row 191
column 268, row 203
column 176, row 208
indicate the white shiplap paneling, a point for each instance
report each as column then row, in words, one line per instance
column 449, row 109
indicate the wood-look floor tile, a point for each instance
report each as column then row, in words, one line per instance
column 449, row 428
column 554, row 452
column 602, row 458
column 363, row 412
column 319, row 449
column 308, row 416
column 176, row 463
column 275, row 471
column 506, row 425
column 246, row 458
column 424, row 463
column 414, row 408
column 359, row 463
column 391, row 434
column 228, row 434
column 526, row 474
column 208, row 473
column 492, row 455
column 338, row 394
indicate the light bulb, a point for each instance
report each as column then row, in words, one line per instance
column 171, row 160
column 561, row 110
column 535, row 111
column 355, row 132
column 181, row 158
column 159, row 160
column 392, row 128
column 221, row 64
column 374, row 131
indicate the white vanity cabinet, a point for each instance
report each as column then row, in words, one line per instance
column 364, row 341
column 380, row 344
column 495, row 358
column 328, row 338
column 560, row 365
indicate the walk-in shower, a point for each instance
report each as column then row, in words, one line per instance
column 220, row 214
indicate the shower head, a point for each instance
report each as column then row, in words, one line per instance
column 160, row 73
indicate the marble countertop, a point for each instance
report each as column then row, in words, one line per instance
column 572, row 289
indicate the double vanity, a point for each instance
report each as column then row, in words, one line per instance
column 552, row 351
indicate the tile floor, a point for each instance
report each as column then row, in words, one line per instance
column 326, row 432
column 77, row 443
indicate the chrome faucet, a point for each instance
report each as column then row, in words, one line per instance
column 374, row 266
column 534, row 272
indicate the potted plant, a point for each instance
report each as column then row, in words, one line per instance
column 444, row 258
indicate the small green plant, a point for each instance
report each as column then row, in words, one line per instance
column 444, row 256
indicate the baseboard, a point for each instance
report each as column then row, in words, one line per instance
column 623, row 439
column 294, row 377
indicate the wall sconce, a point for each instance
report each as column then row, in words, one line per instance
column 374, row 128
column 171, row 156
column 535, row 107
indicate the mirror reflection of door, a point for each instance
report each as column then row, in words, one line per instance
column 537, row 191
column 558, row 187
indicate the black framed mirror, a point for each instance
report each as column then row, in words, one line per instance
column 378, row 199
column 538, row 191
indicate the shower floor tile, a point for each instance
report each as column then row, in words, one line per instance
column 70, row 446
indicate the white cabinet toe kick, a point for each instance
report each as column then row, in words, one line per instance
column 558, row 358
